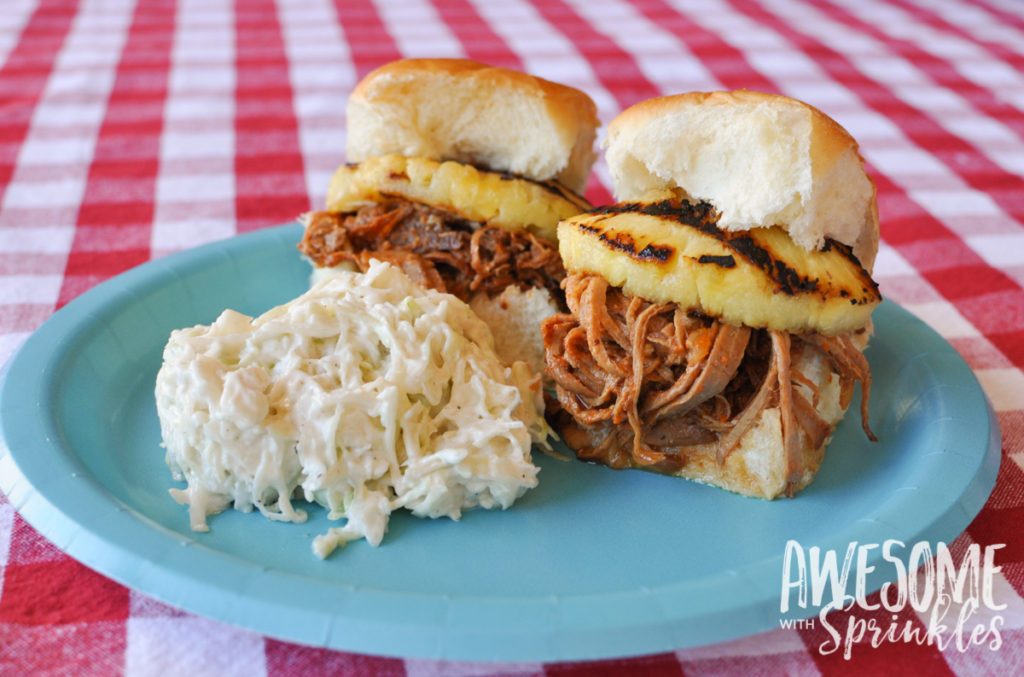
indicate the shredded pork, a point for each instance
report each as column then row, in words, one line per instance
column 437, row 249
column 644, row 381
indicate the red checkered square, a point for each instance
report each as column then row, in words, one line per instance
column 991, row 311
column 989, row 526
column 57, row 592
column 662, row 665
column 935, row 254
column 864, row 657
column 74, row 650
column 968, row 279
column 28, row 547
column 1011, row 342
column 128, row 214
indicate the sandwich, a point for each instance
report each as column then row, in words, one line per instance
column 459, row 173
column 718, row 312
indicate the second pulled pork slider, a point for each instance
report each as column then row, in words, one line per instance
column 459, row 173
column 718, row 312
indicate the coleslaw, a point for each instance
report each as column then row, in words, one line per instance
column 366, row 394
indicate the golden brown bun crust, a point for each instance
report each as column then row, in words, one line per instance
column 760, row 159
column 457, row 109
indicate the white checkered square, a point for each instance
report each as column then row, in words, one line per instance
column 86, row 113
column 999, row 250
column 326, row 104
column 323, row 77
column 30, row 288
column 36, row 239
column 79, row 83
column 873, row 132
column 995, row 74
column 1004, row 387
column 202, row 78
column 191, row 645
column 1011, row 157
column 40, row 150
column 943, row 317
column 323, row 141
column 905, row 160
column 953, row 204
column 826, row 95
column 192, row 108
column 784, row 64
column 426, row 668
column 205, row 46
column 981, row 130
column 172, row 236
column 13, row 19
column 889, row 263
column 192, row 187
column 6, row 524
column 40, row 194
column 882, row 66
column 176, row 144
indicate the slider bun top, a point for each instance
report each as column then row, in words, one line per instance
column 759, row 159
column 456, row 109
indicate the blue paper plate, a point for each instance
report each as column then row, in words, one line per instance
column 593, row 563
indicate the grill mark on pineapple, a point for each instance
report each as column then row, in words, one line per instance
column 788, row 280
column 625, row 243
column 703, row 217
column 846, row 251
column 726, row 261
column 551, row 186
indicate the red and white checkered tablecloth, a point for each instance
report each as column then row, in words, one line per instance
column 129, row 130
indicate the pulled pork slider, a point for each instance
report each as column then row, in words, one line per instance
column 459, row 173
column 718, row 312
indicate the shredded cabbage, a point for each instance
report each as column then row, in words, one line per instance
column 365, row 394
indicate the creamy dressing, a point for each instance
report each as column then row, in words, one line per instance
column 366, row 394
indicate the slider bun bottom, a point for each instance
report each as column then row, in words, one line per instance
column 756, row 467
column 514, row 317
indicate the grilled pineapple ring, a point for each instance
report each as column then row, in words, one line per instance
column 474, row 194
column 672, row 251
